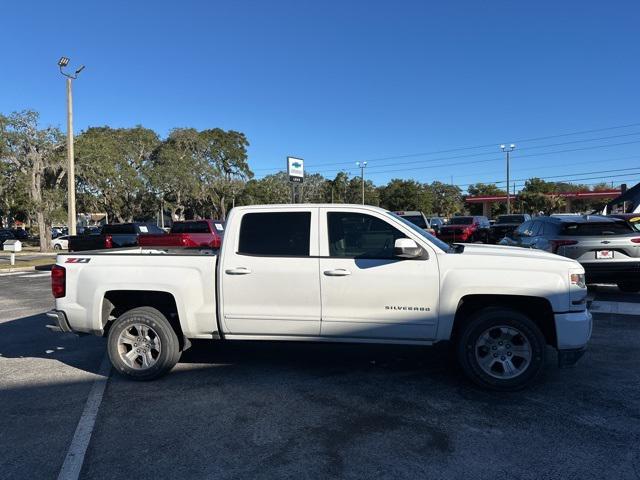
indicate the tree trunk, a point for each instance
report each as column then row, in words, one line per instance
column 44, row 232
column 223, row 209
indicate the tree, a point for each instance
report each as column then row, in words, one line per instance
column 343, row 189
column 271, row 189
column 447, row 199
column 401, row 194
column 176, row 171
column 110, row 165
column 36, row 155
column 225, row 155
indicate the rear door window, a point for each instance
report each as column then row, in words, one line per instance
column 275, row 234
column 596, row 228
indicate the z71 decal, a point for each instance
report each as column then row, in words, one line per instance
column 77, row 260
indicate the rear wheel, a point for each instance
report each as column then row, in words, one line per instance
column 142, row 344
column 629, row 287
column 501, row 349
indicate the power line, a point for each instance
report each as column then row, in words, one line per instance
column 457, row 149
column 556, row 176
column 501, row 159
column 539, row 167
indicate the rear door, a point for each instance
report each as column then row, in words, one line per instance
column 270, row 274
column 366, row 291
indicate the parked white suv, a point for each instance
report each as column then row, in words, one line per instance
column 337, row 273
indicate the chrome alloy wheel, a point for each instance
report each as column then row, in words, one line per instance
column 139, row 346
column 503, row 352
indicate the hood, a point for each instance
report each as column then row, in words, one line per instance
column 503, row 251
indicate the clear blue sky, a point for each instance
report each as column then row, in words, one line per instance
column 335, row 82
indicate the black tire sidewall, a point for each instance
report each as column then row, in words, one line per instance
column 484, row 320
column 169, row 350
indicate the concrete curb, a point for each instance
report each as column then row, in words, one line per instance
column 26, row 269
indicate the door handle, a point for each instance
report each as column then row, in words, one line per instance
column 338, row 272
column 238, row 271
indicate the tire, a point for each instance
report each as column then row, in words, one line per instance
column 629, row 287
column 496, row 340
column 57, row 247
column 147, row 328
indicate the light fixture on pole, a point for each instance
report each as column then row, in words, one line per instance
column 508, row 150
column 362, row 166
column 71, row 172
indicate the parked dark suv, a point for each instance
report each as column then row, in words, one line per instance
column 505, row 226
column 608, row 248
column 465, row 229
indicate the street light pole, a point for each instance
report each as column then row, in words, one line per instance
column 508, row 150
column 71, row 170
column 362, row 166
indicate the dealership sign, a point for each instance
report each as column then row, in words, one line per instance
column 295, row 169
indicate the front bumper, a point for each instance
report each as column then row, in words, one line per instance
column 61, row 323
column 573, row 329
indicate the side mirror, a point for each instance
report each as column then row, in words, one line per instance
column 406, row 248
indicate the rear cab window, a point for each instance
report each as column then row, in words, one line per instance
column 119, row 228
column 190, row 227
column 285, row 234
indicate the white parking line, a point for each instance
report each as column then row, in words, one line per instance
column 36, row 275
column 11, row 273
column 75, row 456
column 618, row 308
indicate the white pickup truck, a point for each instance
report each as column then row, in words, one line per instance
column 336, row 273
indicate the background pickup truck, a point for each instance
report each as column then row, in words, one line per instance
column 337, row 273
column 113, row 235
column 193, row 234
column 505, row 226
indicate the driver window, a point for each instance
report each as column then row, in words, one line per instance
column 356, row 235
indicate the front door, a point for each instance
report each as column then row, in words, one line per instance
column 366, row 292
column 270, row 283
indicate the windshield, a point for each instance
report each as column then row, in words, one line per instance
column 510, row 219
column 416, row 220
column 437, row 242
column 461, row 221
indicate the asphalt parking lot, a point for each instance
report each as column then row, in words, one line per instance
column 261, row 410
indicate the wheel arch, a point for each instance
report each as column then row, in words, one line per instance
column 117, row 302
column 538, row 309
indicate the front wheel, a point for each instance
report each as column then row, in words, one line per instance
column 57, row 247
column 629, row 287
column 501, row 349
column 142, row 344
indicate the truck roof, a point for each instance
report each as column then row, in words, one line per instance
column 286, row 206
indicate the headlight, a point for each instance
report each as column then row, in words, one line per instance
column 578, row 279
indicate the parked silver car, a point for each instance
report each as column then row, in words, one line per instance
column 608, row 248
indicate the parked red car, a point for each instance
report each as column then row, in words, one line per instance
column 465, row 229
column 191, row 233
